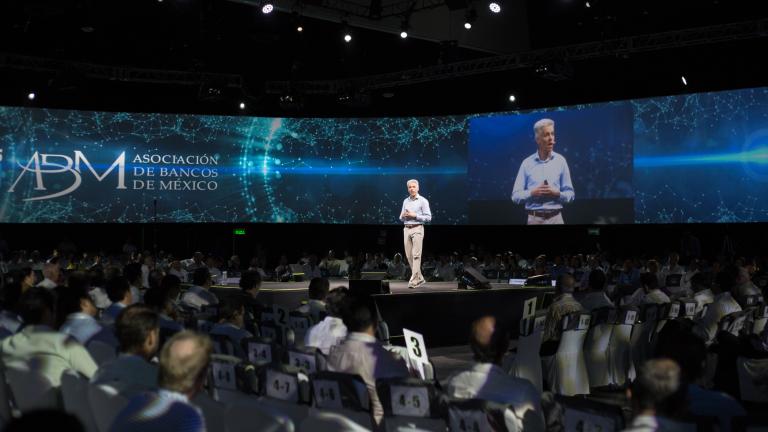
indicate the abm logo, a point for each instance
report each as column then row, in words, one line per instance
column 43, row 163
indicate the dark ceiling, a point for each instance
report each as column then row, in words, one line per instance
column 48, row 46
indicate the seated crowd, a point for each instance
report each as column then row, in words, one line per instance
column 149, row 327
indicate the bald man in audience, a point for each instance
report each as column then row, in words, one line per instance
column 487, row 380
column 184, row 362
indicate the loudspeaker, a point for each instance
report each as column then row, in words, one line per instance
column 365, row 288
column 472, row 278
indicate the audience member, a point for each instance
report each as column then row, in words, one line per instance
column 232, row 322
column 595, row 298
column 198, row 295
column 318, row 291
column 361, row 354
column 657, row 396
column 184, row 362
column 563, row 305
column 40, row 347
column 138, row 332
column 119, row 292
column 487, row 381
column 331, row 330
column 51, row 275
column 78, row 311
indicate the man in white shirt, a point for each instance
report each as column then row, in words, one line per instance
column 51, row 275
column 318, row 291
column 486, row 380
column 199, row 295
column 137, row 329
column 414, row 214
column 724, row 304
column 361, row 354
column 331, row 330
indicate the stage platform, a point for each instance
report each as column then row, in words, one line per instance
column 438, row 310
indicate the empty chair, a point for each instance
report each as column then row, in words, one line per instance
column 481, row 415
column 224, row 378
column 619, row 350
column 261, row 350
column 343, row 394
column 596, row 347
column 74, row 391
column 640, row 341
column 308, row 360
column 30, row 390
column 411, row 404
column 527, row 362
column 285, row 389
column 106, row 403
column 566, row 371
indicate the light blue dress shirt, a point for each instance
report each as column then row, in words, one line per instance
column 80, row 326
column 533, row 171
column 418, row 205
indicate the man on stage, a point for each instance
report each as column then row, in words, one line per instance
column 543, row 181
column 414, row 215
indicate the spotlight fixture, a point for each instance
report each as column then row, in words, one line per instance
column 299, row 29
column 685, row 81
column 469, row 18
column 403, row 34
column 512, row 98
column 495, row 7
column 587, row 5
column 345, row 31
column 267, row 7
column 31, row 96
column 404, row 27
column 242, row 105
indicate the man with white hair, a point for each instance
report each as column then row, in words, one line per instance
column 543, row 181
column 414, row 215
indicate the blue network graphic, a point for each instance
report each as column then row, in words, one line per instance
column 267, row 169
column 702, row 157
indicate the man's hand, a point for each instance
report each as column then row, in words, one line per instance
column 545, row 190
column 409, row 214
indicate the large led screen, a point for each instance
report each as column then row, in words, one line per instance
column 678, row 159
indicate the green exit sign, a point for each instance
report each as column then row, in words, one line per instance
column 238, row 231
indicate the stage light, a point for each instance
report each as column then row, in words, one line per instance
column 685, row 81
column 587, row 5
column 242, row 105
column 512, row 98
column 347, row 38
column 299, row 29
column 469, row 18
column 403, row 34
column 267, row 8
column 494, row 7
column 31, row 96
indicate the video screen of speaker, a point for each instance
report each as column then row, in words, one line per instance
column 678, row 159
